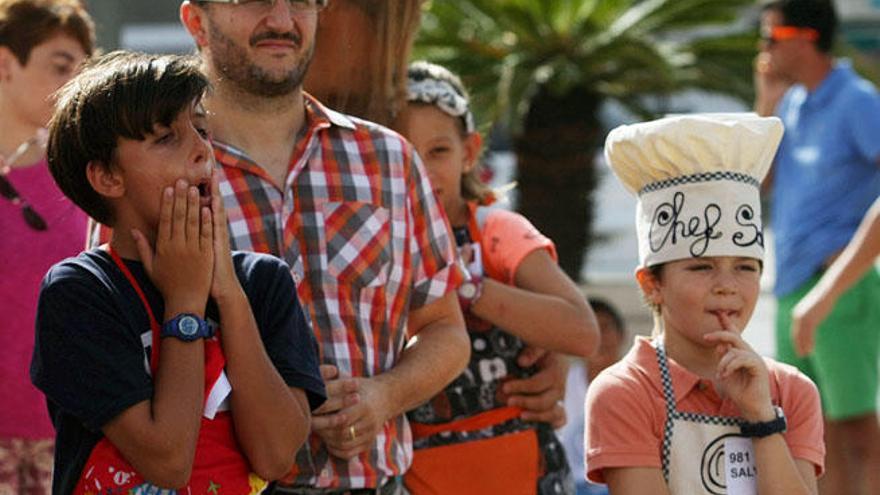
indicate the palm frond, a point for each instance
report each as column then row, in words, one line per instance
column 505, row 50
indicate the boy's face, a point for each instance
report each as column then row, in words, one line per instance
column 146, row 168
column 693, row 293
column 610, row 341
column 30, row 87
column 264, row 49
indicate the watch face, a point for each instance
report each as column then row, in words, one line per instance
column 467, row 290
column 188, row 326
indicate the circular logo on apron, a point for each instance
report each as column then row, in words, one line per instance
column 712, row 466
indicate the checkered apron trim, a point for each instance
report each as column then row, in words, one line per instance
column 673, row 415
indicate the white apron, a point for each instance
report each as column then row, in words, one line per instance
column 703, row 454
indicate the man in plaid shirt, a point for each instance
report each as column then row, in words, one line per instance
column 348, row 205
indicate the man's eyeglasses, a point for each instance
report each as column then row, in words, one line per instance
column 31, row 217
column 265, row 6
column 783, row 33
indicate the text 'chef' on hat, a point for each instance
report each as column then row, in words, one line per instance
column 697, row 178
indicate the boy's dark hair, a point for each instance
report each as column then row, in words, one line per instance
column 817, row 14
column 25, row 24
column 603, row 306
column 119, row 95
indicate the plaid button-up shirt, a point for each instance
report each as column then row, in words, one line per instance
column 366, row 241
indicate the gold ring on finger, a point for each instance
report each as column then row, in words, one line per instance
column 351, row 432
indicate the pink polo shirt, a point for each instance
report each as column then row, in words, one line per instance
column 626, row 411
column 25, row 256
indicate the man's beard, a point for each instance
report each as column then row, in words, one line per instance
column 233, row 64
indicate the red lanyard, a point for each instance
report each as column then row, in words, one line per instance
column 154, row 323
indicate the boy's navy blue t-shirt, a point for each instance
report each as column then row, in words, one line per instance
column 93, row 340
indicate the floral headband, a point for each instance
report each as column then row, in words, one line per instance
column 443, row 95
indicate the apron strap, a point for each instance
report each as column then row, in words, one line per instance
column 669, row 397
column 665, row 376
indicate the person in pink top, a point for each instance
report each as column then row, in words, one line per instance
column 694, row 409
column 42, row 42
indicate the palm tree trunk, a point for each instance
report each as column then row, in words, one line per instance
column 556, row 170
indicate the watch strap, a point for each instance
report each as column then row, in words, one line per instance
column 466, row 301
column 763, row 429
column 187, row 327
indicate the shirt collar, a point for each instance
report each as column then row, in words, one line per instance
column 319, row 115
column 830, row 86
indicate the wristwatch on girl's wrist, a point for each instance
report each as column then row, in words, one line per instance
column 469, row 291
column 763, row 429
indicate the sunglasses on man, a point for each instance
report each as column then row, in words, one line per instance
column 784, row 33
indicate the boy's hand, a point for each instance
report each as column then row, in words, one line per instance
column 224, row 282
column 741, row 373
column 180, row 265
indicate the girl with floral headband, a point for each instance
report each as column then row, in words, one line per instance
column 468, row 439
column 694, row 409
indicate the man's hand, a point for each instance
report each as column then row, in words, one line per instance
column 353, row 415
column 770, row 85
column 806, row 317
column 541, row 395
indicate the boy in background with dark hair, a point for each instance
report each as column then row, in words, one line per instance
column 581, row 372
column 163, row 356
column 824, row 179
column 42, row 43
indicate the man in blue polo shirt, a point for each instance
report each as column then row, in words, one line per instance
column 825, row 178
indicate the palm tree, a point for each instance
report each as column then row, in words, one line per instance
column 543, row 69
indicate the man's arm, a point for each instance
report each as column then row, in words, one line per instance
column 436, row 354
column 849, row 267
column 770, row 85
column 359, row 407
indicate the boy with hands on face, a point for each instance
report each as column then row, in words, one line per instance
column 188, row 403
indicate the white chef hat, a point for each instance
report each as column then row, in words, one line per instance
column 697, row 179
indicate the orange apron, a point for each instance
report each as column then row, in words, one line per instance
column 219, row 466
column 508, row 464
column 482, row 456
